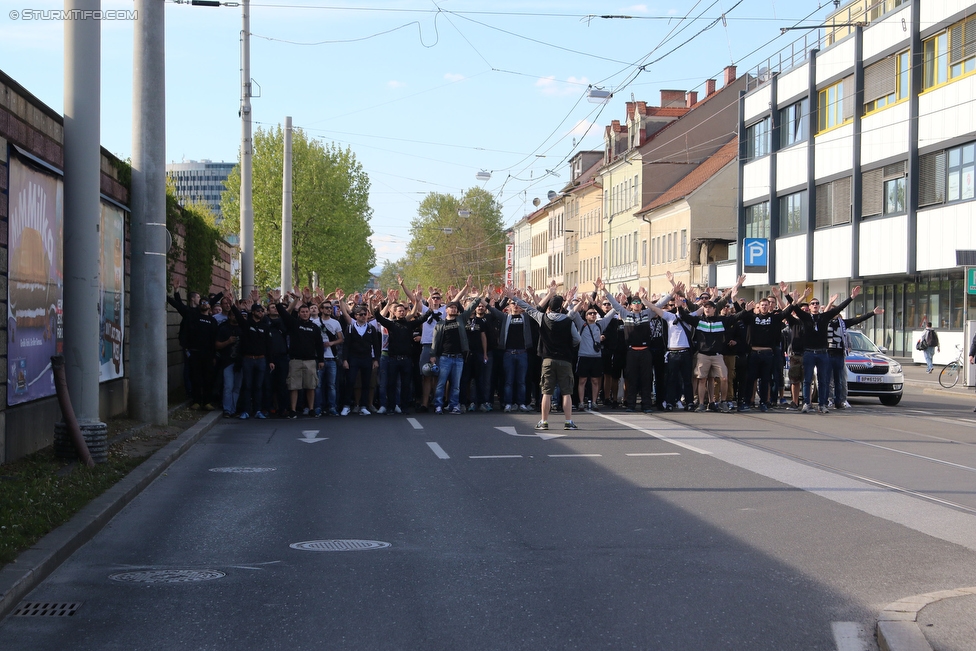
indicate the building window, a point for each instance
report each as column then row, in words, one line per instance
column 886, row 82
column 793, row 214
column 757, row 139
column 792, row 119
column 757, row 220
column 884, row 190
column 834, row 203
column 959, row 185
column 835, row 104
column 684, row 244
column 949, row 54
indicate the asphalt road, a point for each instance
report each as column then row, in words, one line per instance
column 689, row 531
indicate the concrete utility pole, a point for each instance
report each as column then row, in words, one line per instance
column 247, row 208
column 286, row 211
column 82, row 210
column 147, row 312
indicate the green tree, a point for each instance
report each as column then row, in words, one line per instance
column 330, row 212
column 445, row 247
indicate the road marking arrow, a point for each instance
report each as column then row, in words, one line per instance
column 310, row 435
column 545, row 436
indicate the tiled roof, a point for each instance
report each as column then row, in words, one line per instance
column 709, row 168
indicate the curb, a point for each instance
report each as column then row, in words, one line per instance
column 897, row 628
column 21, row 576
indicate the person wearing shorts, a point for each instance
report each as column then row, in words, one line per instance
column 558, row 337
column 307, row 355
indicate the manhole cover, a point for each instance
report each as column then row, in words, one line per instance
column 167, row 576
column 338, row 545
column 46, row 609
column 242, row 470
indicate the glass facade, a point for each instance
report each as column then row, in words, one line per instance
column 938, row 295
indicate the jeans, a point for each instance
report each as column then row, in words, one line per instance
column 252, row 383
column 232, row 388
column 838, row 377
column 516, row 364
column 820, row 360
column 928, row 353
column 325, row 394
column 450, row 369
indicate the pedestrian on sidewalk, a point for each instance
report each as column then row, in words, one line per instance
column 972, row 355
column 930, row 343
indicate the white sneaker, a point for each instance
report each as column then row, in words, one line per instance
column 364, row 411
column 508, row 409
column 845, row 405
column 679, row 405
column 524, row 408
column 805, row 408
column 344, row 412
column 381, row 410
column 396, row 410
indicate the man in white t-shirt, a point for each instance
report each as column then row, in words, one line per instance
column 325, row 395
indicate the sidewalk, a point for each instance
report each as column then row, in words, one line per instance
column 915, row 376
column 21, row 576
column 937, row 621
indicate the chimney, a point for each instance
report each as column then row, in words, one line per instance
column 709, row 87
column 729, row 75
column 672, row 98
column 691, row 99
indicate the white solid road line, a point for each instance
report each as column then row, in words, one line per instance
column 496, row 456
column 415, row 423
column 651, row 433
column 653, row 454
column 438, row 450
column 849, row 636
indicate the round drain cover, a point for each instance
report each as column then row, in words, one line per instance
column 167, row 576
column 242, row 470
column 338, row 545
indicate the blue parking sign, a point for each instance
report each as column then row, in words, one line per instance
column 755, row 254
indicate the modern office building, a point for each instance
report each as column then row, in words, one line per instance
column 201, row 181
column 856, row 166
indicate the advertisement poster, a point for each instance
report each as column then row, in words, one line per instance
column 112, row 295
column 34, row 290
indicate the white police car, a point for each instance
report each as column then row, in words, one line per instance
column 871, row 373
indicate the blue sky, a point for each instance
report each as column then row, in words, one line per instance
column 425, row 94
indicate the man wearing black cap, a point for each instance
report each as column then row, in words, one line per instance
column 558, row 337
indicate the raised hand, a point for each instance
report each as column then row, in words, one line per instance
column 879, row 310
column 856, row 291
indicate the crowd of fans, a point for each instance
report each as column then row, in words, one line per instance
column 474, row 349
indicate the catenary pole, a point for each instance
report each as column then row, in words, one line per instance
column 247, row 208
column 82, row 207
column 147, row 368
column 286, row 188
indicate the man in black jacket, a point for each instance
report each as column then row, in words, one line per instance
column 198, row 335
column 256, row 356
column 814, row 335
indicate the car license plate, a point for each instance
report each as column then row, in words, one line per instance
column 871, row 379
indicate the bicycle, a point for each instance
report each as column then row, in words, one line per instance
column 950, row 374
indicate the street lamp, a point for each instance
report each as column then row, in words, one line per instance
column 483, row 175
column 598, row 95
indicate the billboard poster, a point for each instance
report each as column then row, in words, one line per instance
column 112, row 294
column 35, row 284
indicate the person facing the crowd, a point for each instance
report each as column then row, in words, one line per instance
column 558, row 337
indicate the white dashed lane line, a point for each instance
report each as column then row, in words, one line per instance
column 570, row 456
column 653, row 454
column 415, row 423
column 496, row 456
column 438, row 450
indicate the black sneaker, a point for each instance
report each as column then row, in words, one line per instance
column 570, row 425
column 291, row 414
